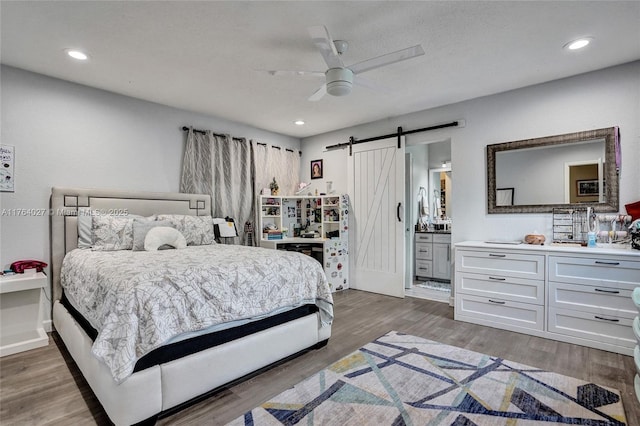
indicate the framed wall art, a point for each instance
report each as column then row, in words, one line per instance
column 316, row 169
column 7, row 175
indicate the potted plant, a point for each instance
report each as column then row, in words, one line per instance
column 273, row 186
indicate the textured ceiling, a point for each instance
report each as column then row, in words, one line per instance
column 207, row 56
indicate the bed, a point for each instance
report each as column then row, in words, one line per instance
column 164, row 375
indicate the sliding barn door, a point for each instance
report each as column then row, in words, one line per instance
column 376, row 188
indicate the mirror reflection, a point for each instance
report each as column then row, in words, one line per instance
column 536, row 175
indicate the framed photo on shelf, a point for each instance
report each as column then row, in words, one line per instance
column 316, row 169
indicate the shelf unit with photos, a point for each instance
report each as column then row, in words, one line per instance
column 314, row 225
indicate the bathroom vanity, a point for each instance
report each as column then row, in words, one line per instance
column 433, row 255
column 572, row 294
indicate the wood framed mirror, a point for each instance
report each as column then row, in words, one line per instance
column 563, row 171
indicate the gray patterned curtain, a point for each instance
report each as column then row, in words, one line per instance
column 281, row 164
column 222, row 167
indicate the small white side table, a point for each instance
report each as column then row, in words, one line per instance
column 20, row 318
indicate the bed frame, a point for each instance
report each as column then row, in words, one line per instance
column 161, row 389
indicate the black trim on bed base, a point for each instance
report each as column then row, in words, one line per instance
column 193, row 345
column 152, row 420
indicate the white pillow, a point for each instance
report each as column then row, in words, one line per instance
column 162, row 235
column 140, row 229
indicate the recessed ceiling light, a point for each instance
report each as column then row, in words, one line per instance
column 578, row 44
column 77, row 54
column 298, row 123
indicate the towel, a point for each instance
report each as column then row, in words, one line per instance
column 424, row 206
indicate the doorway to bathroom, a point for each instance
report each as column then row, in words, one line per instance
column 428, row 200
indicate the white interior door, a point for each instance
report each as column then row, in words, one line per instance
column 376, row 188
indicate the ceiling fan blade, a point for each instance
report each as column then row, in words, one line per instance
column 294, row 73
column 324, row 43
column 370, row 84
column 389, row 58
column 319, row 93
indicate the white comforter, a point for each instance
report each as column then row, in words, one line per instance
column 139, row 300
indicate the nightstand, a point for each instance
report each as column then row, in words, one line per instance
column 20, row 318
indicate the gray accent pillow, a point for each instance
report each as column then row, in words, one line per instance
column 140, row 229
column 84, row 227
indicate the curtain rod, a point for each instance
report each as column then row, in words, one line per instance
column 277, row 147
column 186, row 129
column 400, row 132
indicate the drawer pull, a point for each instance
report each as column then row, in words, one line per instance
column 497, row 278
column 607, row 319
column 424, row 269
column 608, row 291
column 497, row 301
column 497, row 255
column 602, row 262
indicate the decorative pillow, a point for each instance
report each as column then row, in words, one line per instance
column 164, row 235
column 111, row 233
column 85, row 224
column 197, row 230
column 140, row 229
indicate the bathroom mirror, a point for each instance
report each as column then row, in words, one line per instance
column 571, row 170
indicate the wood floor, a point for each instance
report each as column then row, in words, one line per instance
column 44, row 387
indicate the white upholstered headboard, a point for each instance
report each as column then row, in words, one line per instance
column 65, row 202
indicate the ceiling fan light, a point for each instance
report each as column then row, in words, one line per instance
column 339, row 88
column 339, row 81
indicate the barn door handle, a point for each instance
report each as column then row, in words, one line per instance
column 398, row 212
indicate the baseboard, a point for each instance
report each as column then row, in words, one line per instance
column 47, row 325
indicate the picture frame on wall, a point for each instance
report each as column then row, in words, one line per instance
column 587, row 187
column 504, row 196
column 7, row 158
column 316, row 169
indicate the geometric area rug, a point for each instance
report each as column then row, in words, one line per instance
column 400, row 379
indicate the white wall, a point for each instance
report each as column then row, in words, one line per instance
column 66, row 134
column 595, row 100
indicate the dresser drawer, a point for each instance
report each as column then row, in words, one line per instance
column 424, row 268
column 424, row 251
column 504, row 288
column 424, row 238
column 496, row 263
column 485, row 310
column 595, row 271
column 608, row 329
column 442, row 238
column 597, row 300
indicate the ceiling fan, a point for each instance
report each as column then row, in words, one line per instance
column 339, row 78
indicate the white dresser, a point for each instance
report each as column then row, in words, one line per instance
column 572, row 294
